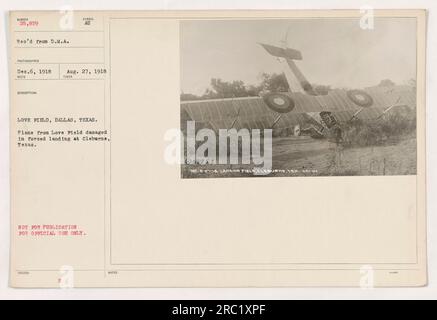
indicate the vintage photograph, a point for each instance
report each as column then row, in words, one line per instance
column 298, row 97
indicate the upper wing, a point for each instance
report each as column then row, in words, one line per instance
column 253, row 112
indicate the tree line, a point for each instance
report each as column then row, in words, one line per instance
column 220, row 89
column 270, row 82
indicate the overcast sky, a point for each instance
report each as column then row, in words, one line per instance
column 336, row 52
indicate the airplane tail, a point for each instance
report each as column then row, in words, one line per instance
column 286, row 53
column 295, row 78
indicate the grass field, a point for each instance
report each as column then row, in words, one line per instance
column 305, row 156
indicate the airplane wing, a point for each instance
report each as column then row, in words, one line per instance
column 260, row 113
column 301, row 106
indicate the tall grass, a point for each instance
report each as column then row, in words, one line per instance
column 392, row 126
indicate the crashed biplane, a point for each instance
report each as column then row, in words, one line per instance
column 302, row 110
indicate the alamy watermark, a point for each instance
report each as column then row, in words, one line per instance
column 224, row 147
column 66, row 277
column 367, row 279
column 66, row 20
column 367, row 20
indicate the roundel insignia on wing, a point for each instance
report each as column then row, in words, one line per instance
column 279, row 102
column 360, row 98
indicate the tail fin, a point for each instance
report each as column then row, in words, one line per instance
column 296, row 80
column 286, row 53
